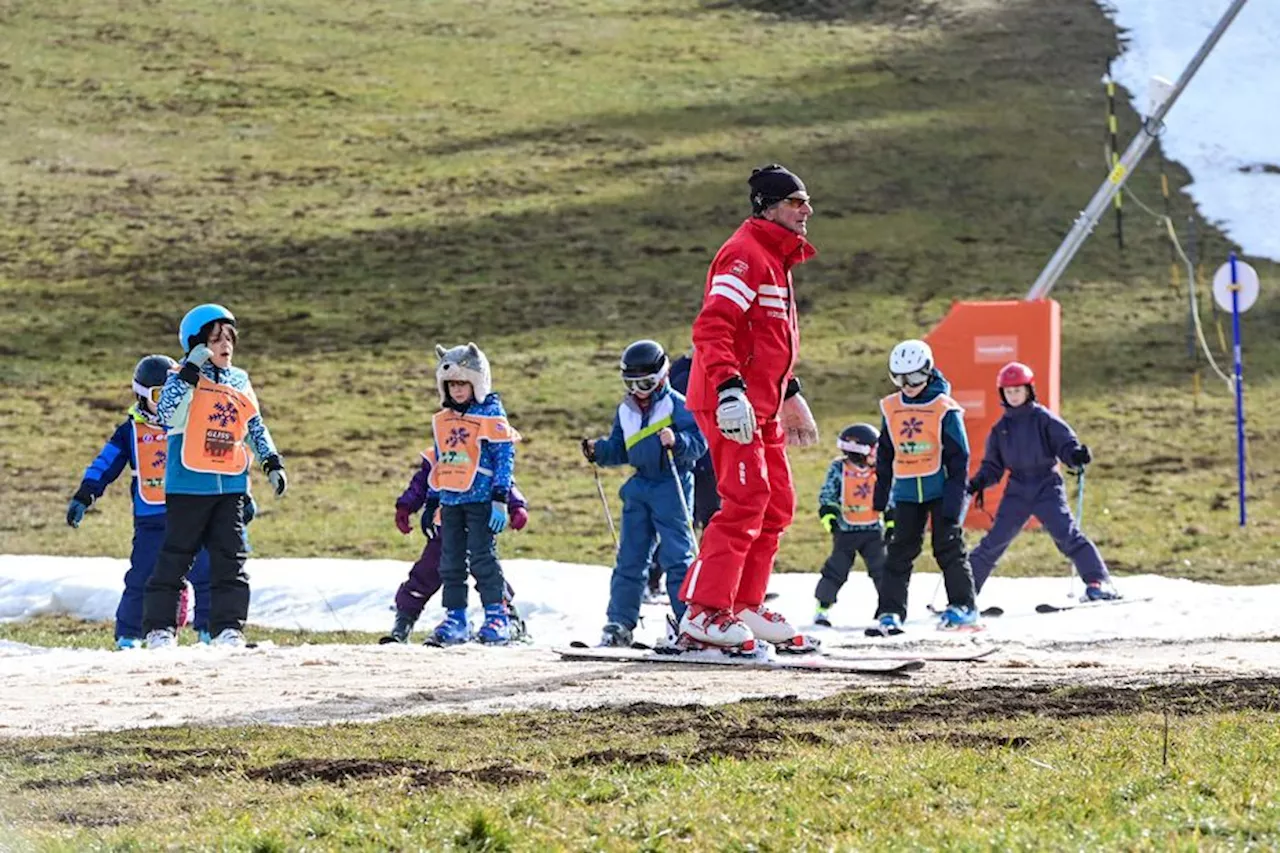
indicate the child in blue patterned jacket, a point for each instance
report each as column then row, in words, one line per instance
column 212, row 412
column 474, row 451
column 140, row 443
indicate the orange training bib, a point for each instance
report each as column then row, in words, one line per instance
column 857, row 493
column 458, row 437
column 217, row 422
column 917, row 433
column 150, row 449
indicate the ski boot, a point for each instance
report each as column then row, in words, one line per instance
column 772, row 627
column 615, row 636
column 229, row 638
column 1095, row 592
column 204, row 637
column 496, row 630
column 707, row 628
column 401, row 630
column 162, row 638
column 956, row 618
column 822, row 616
column 889, row 625
column 451, row 631
column 129, row 642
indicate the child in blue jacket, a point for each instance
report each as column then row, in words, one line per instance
column 214, row 420
column 654, row 433
column 1029, row 441
column 140, row 443
column 846, row 512
column 923, row 458
column 473, row 448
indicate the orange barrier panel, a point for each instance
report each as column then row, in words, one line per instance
column 970, row 346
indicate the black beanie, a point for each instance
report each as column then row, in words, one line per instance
column 771, row 184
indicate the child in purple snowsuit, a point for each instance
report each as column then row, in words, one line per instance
column 424, row 577
column 1029, row 441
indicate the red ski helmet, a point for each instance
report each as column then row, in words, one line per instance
column 1013, row 374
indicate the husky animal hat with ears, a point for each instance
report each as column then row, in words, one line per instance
column 463, row 364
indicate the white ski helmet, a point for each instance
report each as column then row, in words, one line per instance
column 910, row 357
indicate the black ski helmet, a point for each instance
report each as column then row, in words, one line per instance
column 149, row 373
column 644, row 366
column 858, row 442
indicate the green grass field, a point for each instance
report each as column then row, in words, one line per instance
column 1175, row 768
column 549, row 178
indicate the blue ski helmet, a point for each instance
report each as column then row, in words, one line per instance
column 192, row 331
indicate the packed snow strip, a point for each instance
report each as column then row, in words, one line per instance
column 564, row 602
column 1224, row 129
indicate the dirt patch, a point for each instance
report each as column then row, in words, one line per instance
column 629, row 759
column 905, row 12
column 999, row 702
column 300, row 771
column 126, row 774
column 95, row 820
column 972, row 740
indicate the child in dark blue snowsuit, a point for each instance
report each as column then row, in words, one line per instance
column 1029, row 441
column 140, row 443
column 651, row 428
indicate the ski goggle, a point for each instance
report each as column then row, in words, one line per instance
column 910, row 380
column 153, row 394
column 643, row 384
column 854, row 447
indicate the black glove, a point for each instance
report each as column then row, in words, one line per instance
column 888, row 526
column 1081, row 456
column 248, row 509
column 274, row 466
column 429, row 518
column 589, row 450
column 978, row 489
column 78, row 505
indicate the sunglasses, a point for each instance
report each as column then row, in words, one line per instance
column 914, row 379
column 642, row 384
column 795, row 202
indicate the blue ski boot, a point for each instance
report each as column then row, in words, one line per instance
column 822, row 615
column 1095, row 592
column 452, row 631
column 129, row 642
column 959, row 619
column 496, row 630
column 890, row 625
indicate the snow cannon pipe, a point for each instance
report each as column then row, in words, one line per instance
column 1151, row 128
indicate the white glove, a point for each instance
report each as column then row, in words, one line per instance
column 199, row 355
column 798, row 422
column 735, row 417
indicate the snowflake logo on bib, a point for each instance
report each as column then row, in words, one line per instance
column 224, row 414
column 158, row 460
column 457, row 435
column 862, row 490
column 912, row 427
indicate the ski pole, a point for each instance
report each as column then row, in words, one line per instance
column 595, row 469
column 1071, row 569
column 684, row 503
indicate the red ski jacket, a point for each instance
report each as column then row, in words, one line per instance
column 747, row 327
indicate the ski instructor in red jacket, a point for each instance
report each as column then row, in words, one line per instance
column 747, row 401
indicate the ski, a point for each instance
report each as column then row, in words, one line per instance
column 985, row 613
column 929, row 657
column 1078, row 605
column 712, row 657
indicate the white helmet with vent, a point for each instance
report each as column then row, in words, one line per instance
column 911, row 361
